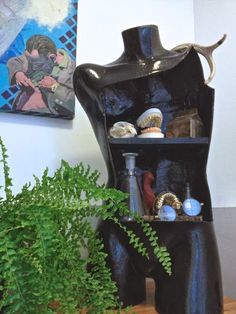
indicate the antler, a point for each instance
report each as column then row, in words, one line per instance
column 206, row 51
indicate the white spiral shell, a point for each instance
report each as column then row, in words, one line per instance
column 122, row 129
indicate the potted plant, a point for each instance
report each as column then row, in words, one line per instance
column 47, row 241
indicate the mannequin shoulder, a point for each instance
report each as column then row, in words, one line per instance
column 89, row 75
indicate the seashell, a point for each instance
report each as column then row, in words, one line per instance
column 148, row 194
column 150, row 118
column 122, row 129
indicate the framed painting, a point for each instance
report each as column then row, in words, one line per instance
column 37, row 57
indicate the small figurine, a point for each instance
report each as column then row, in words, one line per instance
column 150, row 122
column 122, row 129
column 148, row 194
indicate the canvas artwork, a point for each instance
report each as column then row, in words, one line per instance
column 37, row 57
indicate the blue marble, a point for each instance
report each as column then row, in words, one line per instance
column 167, row 213
column 191, row 207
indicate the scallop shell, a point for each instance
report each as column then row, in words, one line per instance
column 122, row 129
column 150, row 118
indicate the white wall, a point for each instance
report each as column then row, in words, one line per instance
column 101, row 23
column 212, row 19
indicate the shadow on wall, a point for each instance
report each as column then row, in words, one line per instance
column 224, row 219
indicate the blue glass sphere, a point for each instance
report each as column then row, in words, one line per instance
column 167, row 213
column 191, row 207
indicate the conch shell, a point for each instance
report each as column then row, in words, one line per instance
column 122, row 129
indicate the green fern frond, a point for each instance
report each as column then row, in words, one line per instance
column 6, row 169
column 47, row 242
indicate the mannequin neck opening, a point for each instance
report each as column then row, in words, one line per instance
column 143, row 42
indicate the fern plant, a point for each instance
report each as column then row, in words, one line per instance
column 44, row 231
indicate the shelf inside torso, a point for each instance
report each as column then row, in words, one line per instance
column 160, row 143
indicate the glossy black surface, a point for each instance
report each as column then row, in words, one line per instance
column 195, row 285
column 147, row 76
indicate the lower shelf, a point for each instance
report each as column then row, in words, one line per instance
column 179, row 218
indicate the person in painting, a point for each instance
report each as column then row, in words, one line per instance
column 44, row 74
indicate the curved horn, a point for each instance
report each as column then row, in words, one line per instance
column 205, row 51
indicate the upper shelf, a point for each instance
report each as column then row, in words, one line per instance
column 160, row 143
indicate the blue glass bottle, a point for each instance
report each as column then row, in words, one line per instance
column 191, row 206
column 130, row 185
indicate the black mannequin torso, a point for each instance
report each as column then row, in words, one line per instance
column 143, row 55
column 146, row 76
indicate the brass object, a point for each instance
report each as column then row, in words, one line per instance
column 205, row 51
column 167, row 198
column 187, row 124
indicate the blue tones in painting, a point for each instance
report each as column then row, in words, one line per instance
column 64, row 37
column 16, row 48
